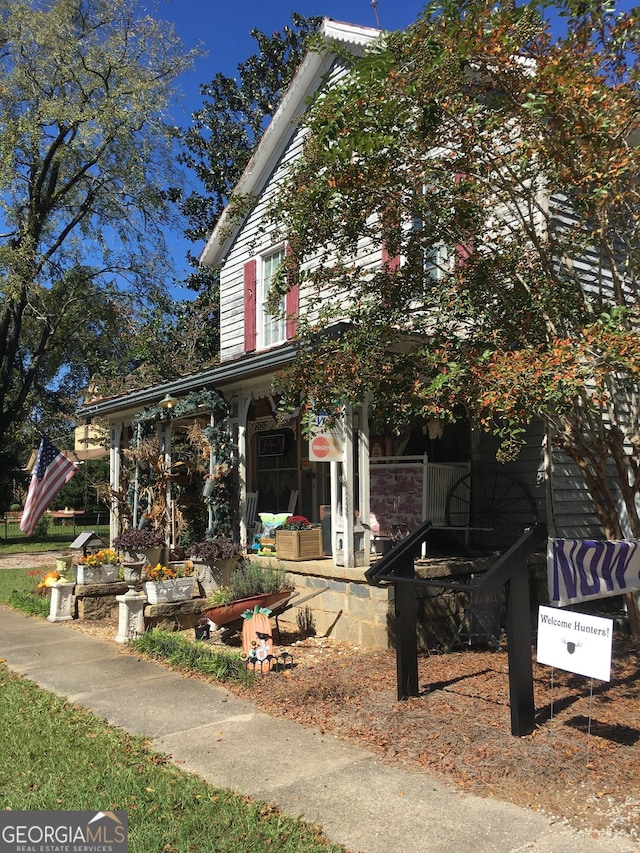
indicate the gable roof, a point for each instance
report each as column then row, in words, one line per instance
column 276, row 137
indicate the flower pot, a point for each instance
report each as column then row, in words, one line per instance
column 133, row 573
column 165, row 592
column 144, row 555
column 96, row 574
column 299, row 544
column 212, row 574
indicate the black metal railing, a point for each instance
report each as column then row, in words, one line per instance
column 510, row 570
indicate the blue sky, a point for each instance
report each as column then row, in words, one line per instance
column 223, row 30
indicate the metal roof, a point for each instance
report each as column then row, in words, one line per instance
column 218, row 377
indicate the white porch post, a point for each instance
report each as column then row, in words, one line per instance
column 348, row 484
column 334, row 474
column 243, row 412
column 114, row 478
column 164, row 441
column 212, row 463
column 364, row 479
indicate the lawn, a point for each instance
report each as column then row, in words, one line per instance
column 57, row 756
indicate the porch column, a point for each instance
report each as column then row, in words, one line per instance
column 114, row 479
column 164, row 441
column 334, row 480
column 348, row 486
column 364, row 479
column 243, row 412
column 212, row 463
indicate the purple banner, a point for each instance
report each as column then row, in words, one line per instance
column 583, row 569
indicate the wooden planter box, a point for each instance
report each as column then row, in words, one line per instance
column 299, row 544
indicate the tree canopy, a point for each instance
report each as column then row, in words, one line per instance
column 494, row 159
column 86, row 157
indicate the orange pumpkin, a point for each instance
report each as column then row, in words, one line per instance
column 257, row 642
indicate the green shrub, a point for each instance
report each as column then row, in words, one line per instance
column 197, row 657
column 256, row 578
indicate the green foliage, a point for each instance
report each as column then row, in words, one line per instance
column 497, row 161
column 85, row 157
column 167, row 808
column 232, row 119
column 257, row 577
column 18, row 589
column 182, row 653
column 81, row 492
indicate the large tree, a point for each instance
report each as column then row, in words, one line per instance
column 86, row 156
column 495, row 156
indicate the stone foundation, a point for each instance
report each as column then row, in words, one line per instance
column 176, row 616
column 98, row 600
column 338, row 602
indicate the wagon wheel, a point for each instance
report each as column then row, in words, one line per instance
column 501, row 503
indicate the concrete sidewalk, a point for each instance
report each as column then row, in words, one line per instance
column 358, row 801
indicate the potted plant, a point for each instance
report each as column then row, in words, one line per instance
column 216, row 559
column 203, row 629
column 298, row 539
column 101, row 567
column 140, row 546
column 252, row 584
column 165, row 584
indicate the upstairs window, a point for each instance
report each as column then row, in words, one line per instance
column 272, row 326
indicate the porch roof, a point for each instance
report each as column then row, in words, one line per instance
column 219, row 377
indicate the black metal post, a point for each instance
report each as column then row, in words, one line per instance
column 519, row 652
column 406, row 620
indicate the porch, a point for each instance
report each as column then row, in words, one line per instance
column 338, row 601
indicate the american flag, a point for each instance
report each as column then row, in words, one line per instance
column 50, row 474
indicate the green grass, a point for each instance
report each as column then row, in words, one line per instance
column 180, row 652
column 56, row 756
column 56, row 539
column 17, row 590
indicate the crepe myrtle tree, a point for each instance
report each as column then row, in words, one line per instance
column 494, row 157
column 85, row 157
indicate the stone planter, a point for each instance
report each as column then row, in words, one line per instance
column 215, row 573
column 96, row 574
column 133, row 573
column 299, row 544
column 62, row 602
column 165, row 592
column 148, row 555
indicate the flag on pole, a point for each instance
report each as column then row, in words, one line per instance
column 52, row 470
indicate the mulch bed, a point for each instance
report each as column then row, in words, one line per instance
column 581, row 764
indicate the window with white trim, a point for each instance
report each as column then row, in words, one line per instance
column 271, row 326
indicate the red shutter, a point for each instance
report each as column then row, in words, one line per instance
column 391, row 264
column 250, row 306
column 463, row 250
column 291, row 307
column 292, row 300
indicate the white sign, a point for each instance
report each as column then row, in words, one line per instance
column 576, row 642
column 325, row 445
column 583, row 569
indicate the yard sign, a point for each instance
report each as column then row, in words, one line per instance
column 575, row 642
